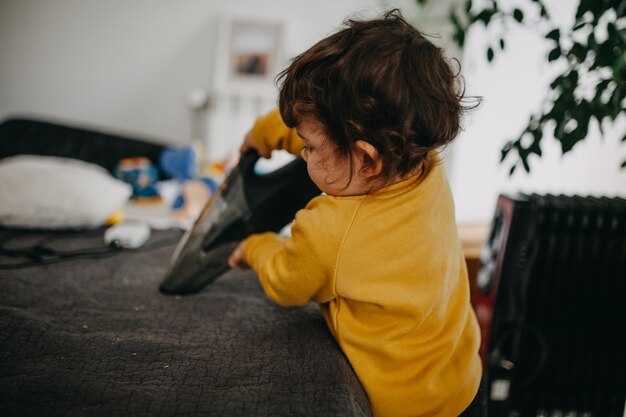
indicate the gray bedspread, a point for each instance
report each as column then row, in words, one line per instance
column 95, row 337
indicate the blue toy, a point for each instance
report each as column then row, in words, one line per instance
column 181, row 165
column 141, row 174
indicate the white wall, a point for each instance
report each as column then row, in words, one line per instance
column 128, row 66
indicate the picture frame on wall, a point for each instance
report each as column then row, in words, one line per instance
column 247, row 57
column 253, row 49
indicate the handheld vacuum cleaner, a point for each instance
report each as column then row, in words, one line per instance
column 245, row 203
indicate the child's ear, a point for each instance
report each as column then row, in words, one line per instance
column 368, row 158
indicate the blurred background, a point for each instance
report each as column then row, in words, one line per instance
column 202, row 70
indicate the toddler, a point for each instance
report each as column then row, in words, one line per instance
column 368, row 109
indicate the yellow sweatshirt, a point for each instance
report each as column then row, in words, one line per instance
column 389, row 274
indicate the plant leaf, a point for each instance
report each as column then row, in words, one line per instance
column 505, row 150
column 459, row 30
column 579, row 52
column 554, row 34
column 554, row 54
column 484, row 16
column 591, row 41
column 557, row 82
column 582, row 8
column 615, row 102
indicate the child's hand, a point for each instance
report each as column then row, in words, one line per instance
column 236, row 259
column 249, row 143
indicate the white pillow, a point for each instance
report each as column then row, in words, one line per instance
column 44, row 192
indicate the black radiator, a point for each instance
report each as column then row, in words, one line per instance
column 552, row 306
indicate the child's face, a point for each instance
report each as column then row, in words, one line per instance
column 328, row 170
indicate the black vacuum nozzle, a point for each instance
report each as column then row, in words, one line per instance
column 245, row 203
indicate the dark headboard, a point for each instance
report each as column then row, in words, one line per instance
column 35, row 137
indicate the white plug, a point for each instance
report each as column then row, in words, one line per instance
column 127, row 235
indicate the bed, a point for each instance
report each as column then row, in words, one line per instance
column 93, row 336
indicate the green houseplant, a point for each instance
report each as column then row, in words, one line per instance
column 590, row 90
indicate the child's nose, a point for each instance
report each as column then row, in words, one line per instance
column 303, row 153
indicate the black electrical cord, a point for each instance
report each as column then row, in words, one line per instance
column 40, row 253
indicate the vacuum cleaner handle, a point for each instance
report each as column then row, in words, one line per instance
column 275, row 197
column 246, row 163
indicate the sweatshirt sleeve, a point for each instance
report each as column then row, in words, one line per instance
column 300, row 268
column 270, row 133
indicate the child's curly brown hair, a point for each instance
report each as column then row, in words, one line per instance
column 380, row 81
